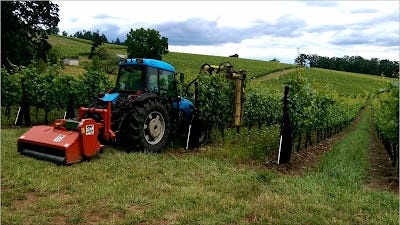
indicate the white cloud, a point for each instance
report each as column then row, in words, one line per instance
column 252, row 29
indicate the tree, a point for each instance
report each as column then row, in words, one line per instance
column 146, row 44
column 274, row 60
column 25, row 26
column 108, row 61
column 118, row 42
column 92, row 36
column 104, row 38
column 301, row 59
column 97, row 41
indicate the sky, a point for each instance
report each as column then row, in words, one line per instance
column 252, row 29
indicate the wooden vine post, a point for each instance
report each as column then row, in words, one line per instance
column 286, row 140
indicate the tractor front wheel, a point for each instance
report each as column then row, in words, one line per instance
column 149, row 126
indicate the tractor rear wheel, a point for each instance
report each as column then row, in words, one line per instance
column 149, row 126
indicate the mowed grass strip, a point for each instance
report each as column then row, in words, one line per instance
column 334, row 192
column 123, row 188
column 128, row 188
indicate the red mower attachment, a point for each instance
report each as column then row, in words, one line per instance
column 64, row 142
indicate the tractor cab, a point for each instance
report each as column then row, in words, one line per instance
column 149, row 76
column 137, row 76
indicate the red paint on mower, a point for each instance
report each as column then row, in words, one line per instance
column 65, row 141
column 68, row 141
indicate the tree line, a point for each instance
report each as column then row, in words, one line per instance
column 355, row 64
column 92, row 36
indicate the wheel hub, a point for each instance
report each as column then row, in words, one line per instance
column 154, row 127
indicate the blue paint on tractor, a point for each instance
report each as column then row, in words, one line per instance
column 186, row 106
column 110, row 97
column 148, row 62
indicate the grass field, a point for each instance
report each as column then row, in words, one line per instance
column 178, row 188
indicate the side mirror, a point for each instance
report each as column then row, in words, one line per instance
column 181, row 77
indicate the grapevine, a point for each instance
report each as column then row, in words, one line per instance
column 386, row 116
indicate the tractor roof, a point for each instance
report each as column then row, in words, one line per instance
column 148, row 62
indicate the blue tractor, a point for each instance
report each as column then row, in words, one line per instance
column 146, row 106
column 141, row 112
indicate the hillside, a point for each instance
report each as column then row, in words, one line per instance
column 69, row 47
column 186, row 63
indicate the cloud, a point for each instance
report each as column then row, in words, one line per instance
column 73, row 19
column 111, row 31
column 379, row 30
column 355, row 39
column 107, row 17
column 360, row 11
column 286, row 26
column 321, row 3
column 197, row 31
column 368, row 37
column 102, row 16
column 325, row 28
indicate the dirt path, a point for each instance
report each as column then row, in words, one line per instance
column 275, row 74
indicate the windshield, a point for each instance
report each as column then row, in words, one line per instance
column 131, row 78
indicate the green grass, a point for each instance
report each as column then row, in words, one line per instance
column 127, row 188
column 70, row 47
column 247, row 148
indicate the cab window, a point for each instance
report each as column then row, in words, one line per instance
column 131, row 79
column 166, row 83
column 152, row 79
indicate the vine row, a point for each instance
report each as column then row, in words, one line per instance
column 49, row 90
column 386, row 118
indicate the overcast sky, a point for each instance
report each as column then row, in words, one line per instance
column 253, row 29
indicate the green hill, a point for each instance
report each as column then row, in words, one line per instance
column 189, row 64
column 69, row 47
